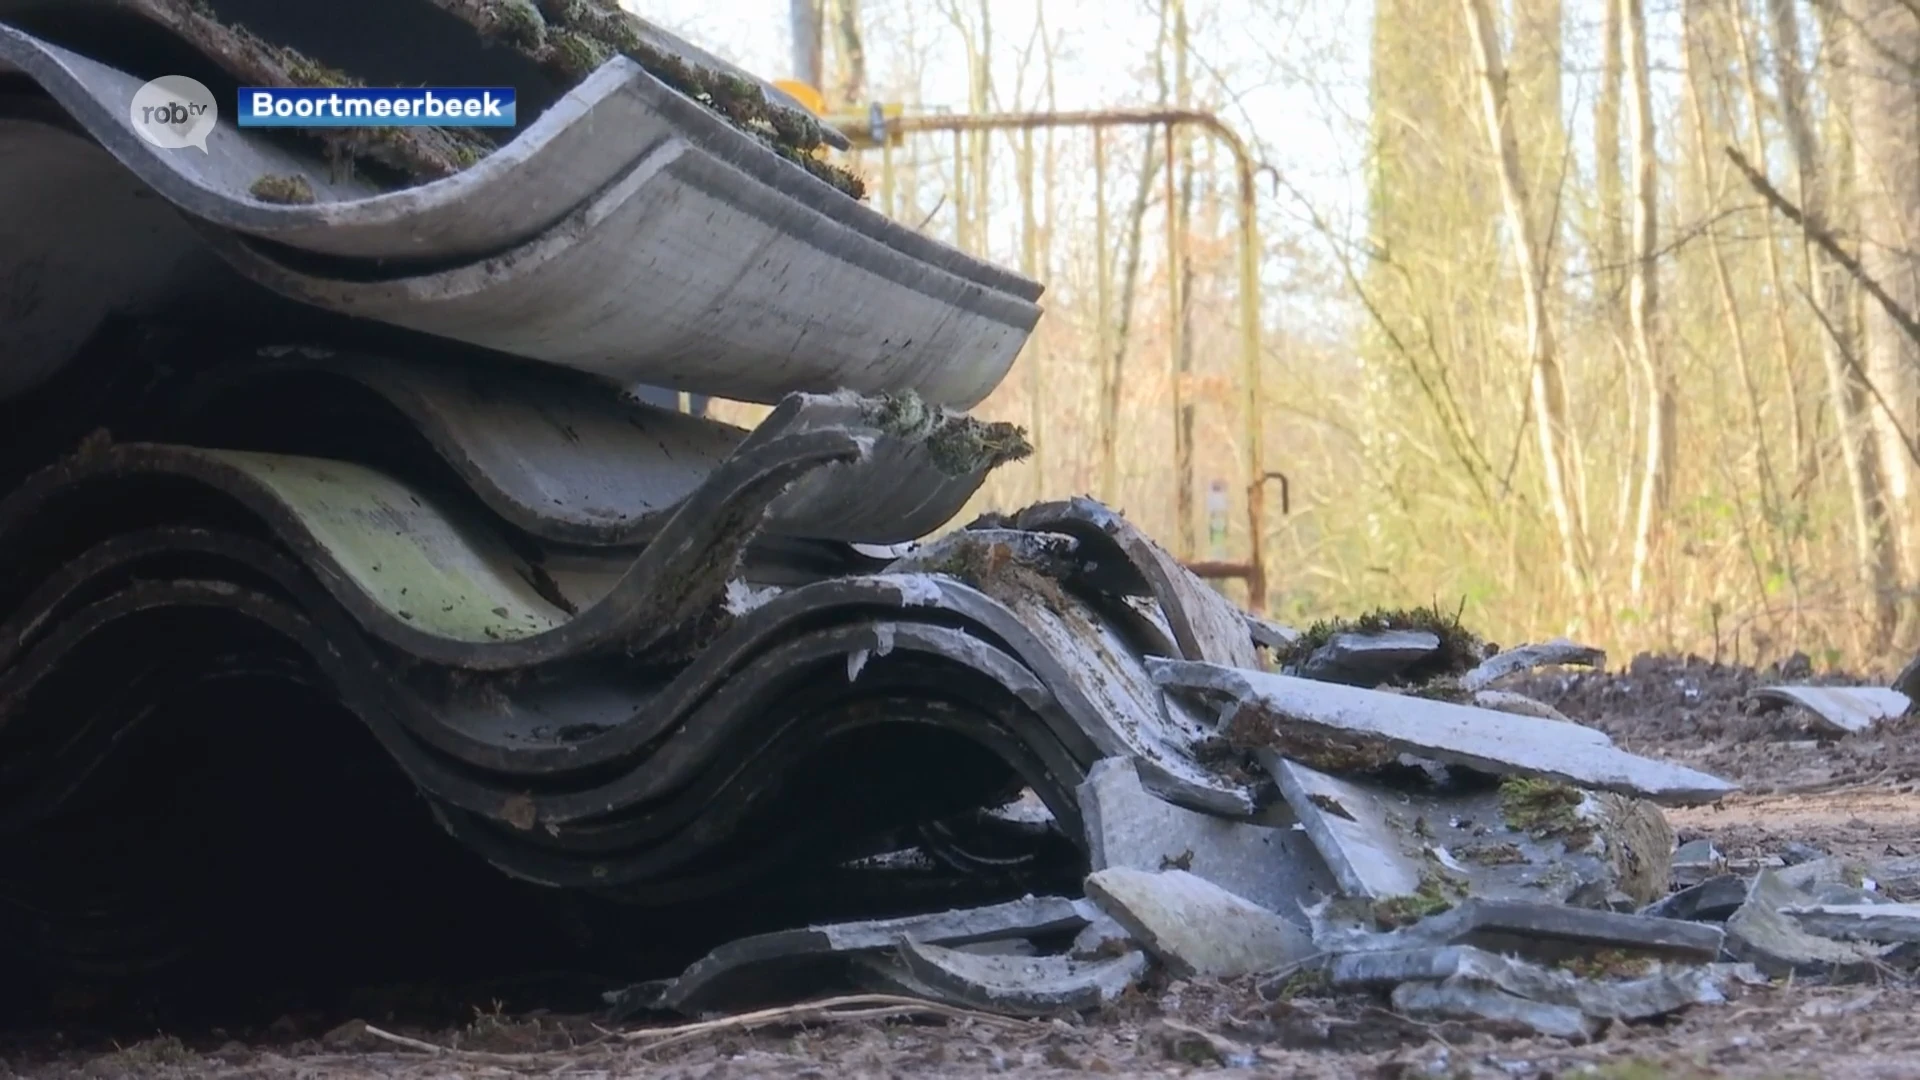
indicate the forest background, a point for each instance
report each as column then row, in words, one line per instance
column 1592, row 317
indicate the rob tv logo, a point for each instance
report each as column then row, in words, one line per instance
column 174, row 111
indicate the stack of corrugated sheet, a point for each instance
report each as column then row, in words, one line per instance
column 377, row 452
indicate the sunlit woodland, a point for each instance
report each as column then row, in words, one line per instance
column 1573, row 316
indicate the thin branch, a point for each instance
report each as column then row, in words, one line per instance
column 1466, row 449
column 1900, row 315
column 1853, row 365
column 1694, row 230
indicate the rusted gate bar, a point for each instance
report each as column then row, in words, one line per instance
column 866, row 127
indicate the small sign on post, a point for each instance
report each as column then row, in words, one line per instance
column 1217, row 518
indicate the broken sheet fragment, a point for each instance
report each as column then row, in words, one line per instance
column 1195, row 927
column 1128, row 826
column 1369, row 659
column 1840, row 710
column 1885, row 923
column 1763, row 934
column 1558, row 652
column 1548, row 933
column 1008, row 985
column 1337, row 728
column 788, row 964
column 1638, row 990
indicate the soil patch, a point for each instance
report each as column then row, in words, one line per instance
column 1697, row 713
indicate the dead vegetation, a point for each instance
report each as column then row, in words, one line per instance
column 282, row 190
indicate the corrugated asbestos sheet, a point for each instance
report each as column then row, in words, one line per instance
column 626, row 231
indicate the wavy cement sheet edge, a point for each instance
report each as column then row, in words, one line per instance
column 548, row 168
column 494, row 726
column 1089, row 691
column 450, row 791
column 684, row 274
column 1205, row 624
column 447, row 589
column 789, row 298
column 675, row 728
column 466, row 790
column 570, row 461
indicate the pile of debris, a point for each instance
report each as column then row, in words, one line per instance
column 1416, row 833
column 346, row 462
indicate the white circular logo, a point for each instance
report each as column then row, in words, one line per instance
column 174, row 111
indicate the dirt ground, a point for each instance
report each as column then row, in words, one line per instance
column 1854, row 796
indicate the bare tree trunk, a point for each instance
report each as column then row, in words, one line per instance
column 803, row 21
column 1129, row 285
column 1033, row 357
column 979, row 99
column 1643, row 300
column 1534, row 92
column 1873, row 544
column 1611, row 221
column 849, row 54
column 1549, row 393
column 1113, row 366
column 1051, row 168
column 1883, row 61
column 1610, row 232
column 1180, row 281
column 1695, row 53
column 1805, row 454
column 971, row 189
column 1107, row 409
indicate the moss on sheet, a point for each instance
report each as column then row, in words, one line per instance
column 419, row 153
column 572, row 38
column 1460, row 648
column 569, row 38
column 283, row 190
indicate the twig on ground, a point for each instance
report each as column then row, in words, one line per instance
column 410, row 1043
column 483, row 1056
column 829, row 1010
